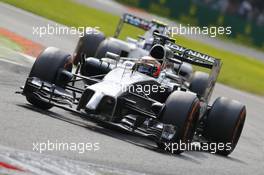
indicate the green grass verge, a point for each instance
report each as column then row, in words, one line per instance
column 238, row 71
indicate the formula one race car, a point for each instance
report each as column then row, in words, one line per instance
column 139, row 95
column 96, row 45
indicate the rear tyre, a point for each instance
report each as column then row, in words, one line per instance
column 185, row 71
column 181, row 110
column 87, row 46
column 107, row 45
column 224, row 124
column 199, row 82
column 47, row 67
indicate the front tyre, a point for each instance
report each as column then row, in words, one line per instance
column 182, row 111
column 87, row 46
column 47, row 68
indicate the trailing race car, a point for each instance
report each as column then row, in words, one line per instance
column 97, row 45
column 139, row 95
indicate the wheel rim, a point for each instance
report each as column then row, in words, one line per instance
column 190, row 123
column 238, row 129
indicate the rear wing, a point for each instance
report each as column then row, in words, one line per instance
column 191, row 56
column 199, row 59
column 138, row 22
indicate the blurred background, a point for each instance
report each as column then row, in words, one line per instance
column 246, row 17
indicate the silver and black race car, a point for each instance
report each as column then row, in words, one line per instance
column 96, row 45
column 140, row 95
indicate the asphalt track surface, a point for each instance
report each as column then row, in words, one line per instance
column 22, row 125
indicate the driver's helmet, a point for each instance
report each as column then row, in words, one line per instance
column 149, row 66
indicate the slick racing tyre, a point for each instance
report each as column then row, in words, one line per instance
column 224, row 124
column 108, row 45
column 87, row 46
column 199, row 82
column 181, row 110
column 47, row 68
